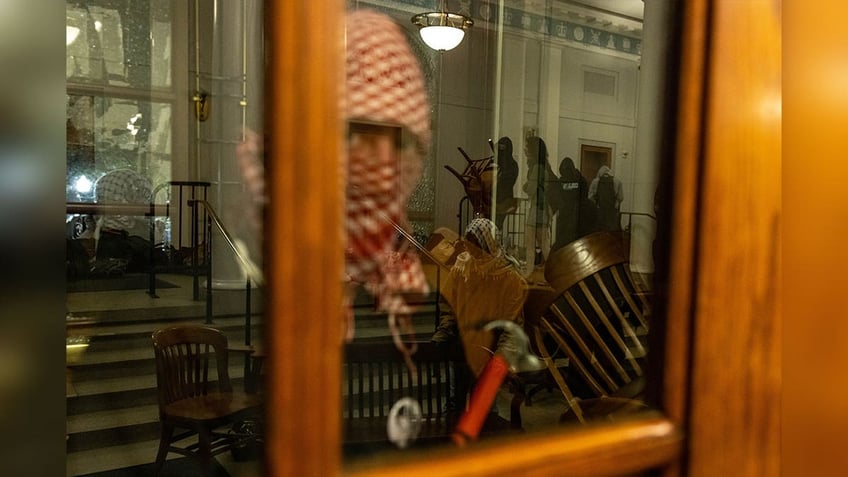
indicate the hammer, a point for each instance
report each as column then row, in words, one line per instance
column 514, row 356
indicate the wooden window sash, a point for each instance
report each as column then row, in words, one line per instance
column 304, row 261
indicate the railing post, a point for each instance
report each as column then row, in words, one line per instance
column 194, row 250
column 463, row 206
column 247, row 313
column 438, row 294
column 248, row 372
column 211, row 218
column 207, row 258
column 151, row 262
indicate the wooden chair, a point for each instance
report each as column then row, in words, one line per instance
column 195, row 394
column 599, row 320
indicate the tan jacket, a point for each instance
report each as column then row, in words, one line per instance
column 481, row 288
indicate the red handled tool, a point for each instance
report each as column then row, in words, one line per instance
column 512, row 356
column 490, row 380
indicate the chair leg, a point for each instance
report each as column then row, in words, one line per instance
column 515, row 410
column 164, row 443
column 204, row 451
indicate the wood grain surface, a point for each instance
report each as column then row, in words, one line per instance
column 721, row 365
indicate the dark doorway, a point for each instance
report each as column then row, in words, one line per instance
column 592, row 158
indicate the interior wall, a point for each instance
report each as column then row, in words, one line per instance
column 226, row 64
column 463, row 117
column 542, row 88
column 528, row 73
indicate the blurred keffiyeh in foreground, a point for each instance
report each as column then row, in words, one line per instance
column 385, row 89
column 387, row 110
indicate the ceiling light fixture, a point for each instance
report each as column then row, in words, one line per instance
column 442, row 31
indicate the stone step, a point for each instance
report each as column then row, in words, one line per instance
column 117, row 394
column 110, row 346
column 111, row 391
column 91, row 326
column 114, row 456
column 119, row 417
column 87, row 318
column 105, row 428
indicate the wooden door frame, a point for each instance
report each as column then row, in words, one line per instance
column 696, row 431
column 584, row 169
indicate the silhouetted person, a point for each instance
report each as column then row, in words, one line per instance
column 506, row 178
column 484, row 284
column 573, row 192
column 538, row 225
column 607, row 193
column 123, row 240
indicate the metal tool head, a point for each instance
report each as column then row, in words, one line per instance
column 517, row 353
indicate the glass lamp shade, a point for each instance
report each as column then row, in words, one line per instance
column 442, row 31
column 442, row 38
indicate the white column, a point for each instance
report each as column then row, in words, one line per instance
column 649, row 114
column 550, row 78
column 224, row 129
column 511, row 120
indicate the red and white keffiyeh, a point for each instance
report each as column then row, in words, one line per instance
column 383, row 78
column 384, row 84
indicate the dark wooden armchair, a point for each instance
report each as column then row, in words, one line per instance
column 195, row 394
column 599, row 320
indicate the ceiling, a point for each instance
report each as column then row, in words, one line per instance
column 613, row 15
column 629, row 8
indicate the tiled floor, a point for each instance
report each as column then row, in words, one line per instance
column 141, row 453
column 129, row 299
column 542, row 415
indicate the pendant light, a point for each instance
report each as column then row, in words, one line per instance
column 442, row 31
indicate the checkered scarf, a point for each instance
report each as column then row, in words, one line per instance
column 123, row 186
column 385, row 85
column 485, row 231
column 384, row 79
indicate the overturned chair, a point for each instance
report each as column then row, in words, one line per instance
column 597, row 318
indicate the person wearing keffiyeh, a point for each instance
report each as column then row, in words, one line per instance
column 385, row 95
column 484, row 285
column 388, row 114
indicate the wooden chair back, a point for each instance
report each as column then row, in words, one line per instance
column 598, row 320
column 376, row 377
column 196, row 396
column 191, row 361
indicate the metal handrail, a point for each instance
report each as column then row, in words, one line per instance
column 252, row 272
column 643, row 214
column 100, row 208
column 630, row 216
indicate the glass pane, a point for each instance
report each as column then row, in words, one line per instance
column 160, row 96
column 532, row 218
column 106, row 134
column 119, row 42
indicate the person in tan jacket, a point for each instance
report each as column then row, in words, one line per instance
column 484, row 285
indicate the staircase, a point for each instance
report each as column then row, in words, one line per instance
column 112, row 414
